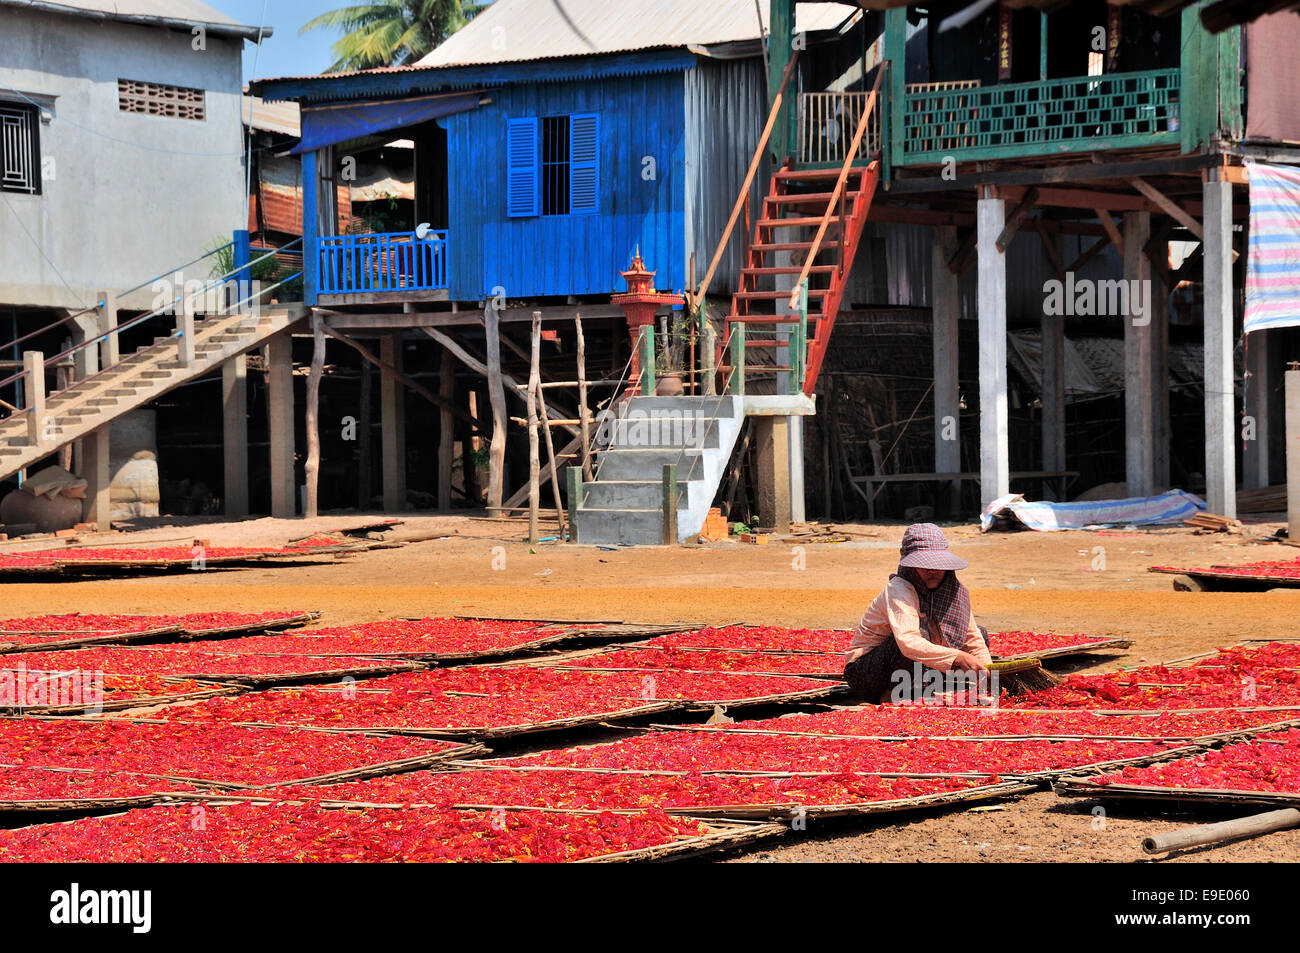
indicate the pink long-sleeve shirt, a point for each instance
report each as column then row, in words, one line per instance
column 896, row 612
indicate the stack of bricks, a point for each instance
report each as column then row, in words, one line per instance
column 715, row 525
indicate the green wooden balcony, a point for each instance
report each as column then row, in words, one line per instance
column 965, row 121
column 1016, row 120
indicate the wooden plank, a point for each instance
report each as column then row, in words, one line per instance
column 582, row 396
column 1017, row 218
column 1168, row 206
column 964, row 255
column 534, row 389
column 1112, row 230
column 1081, row 172
column 410, row 382
column 1051, row 247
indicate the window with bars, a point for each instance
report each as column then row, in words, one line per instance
column 160, row 99
column 552, row 165
column 20, row 149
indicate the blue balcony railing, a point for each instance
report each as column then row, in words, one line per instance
column 388, row 261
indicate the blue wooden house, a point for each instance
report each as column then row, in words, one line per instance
column 550, row 143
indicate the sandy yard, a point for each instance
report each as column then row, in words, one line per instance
column 1057, row 582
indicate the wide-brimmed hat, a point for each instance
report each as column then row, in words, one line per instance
column 925, row 547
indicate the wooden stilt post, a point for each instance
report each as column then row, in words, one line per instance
column 468, row 467
column 34, row 395
column 497, row 398
column 446, row 434
column 534, row 390
column 582, row 397
column 185, row 329
column 364, row 413
column 550, row 457
column 670, row 504
column 536, row 385
column 311, row 468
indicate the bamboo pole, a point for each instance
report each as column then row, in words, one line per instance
column 1206, row 834
column 582, row 397
column 534, row 388
column 550, row 456
column 311, row 468
column 749, row 179
column 497, row 398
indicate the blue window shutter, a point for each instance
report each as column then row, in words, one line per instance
column 523, row 181
column 584, row 163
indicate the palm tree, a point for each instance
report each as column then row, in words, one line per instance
column 391, row 32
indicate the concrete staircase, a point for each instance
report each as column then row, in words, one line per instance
column 136, row 379
column 624, row 503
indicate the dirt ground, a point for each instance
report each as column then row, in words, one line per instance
column 1091, row 582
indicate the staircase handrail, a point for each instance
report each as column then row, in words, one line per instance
column 618, row 390
column 841, row 180
column 133, row 321
column 754, row 163
column 212, row 282
column 99, row 304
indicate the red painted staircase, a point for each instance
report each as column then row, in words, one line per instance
column 799, row 199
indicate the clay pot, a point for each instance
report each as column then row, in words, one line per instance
column 669, row 386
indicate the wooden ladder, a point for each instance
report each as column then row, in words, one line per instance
column 758, row 302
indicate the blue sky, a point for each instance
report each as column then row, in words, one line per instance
column 284, row 53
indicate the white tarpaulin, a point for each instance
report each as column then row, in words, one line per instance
column 1172, row 507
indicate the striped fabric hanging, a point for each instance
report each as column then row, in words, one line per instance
column 1273, row 267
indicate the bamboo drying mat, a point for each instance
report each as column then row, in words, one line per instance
column 1088, row 787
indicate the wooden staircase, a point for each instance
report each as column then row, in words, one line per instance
column 136, row 379
column 802, row 200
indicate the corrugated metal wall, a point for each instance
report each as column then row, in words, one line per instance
column 726, row 107
column 640, row 120
column 892, row 268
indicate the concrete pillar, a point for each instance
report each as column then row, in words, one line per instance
column 1162, row 429
column 279, row 394
column 1052, row 335
column 995, row 469
column 1292, row 385
column 796, row 469
column 93, row 467
column 772, row 434
column 1255, row 440
column 1139, row 402
column 234, row 434
column 392, row 415
column 945, row 308
column 1220, row 465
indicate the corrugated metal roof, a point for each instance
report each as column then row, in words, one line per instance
column 281, row 117
column 521, row 30
column 144, row 11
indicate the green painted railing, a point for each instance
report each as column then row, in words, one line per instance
column 1010, row 120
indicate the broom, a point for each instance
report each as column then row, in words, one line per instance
column 1023, row 675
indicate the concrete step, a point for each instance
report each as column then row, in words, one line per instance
column 620, row 527
column 648, row 464
column 713, row 406
column 661, row 430
column 633, row 494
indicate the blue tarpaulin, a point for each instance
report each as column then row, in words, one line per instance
column 1172, row 507
column 329, row 125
